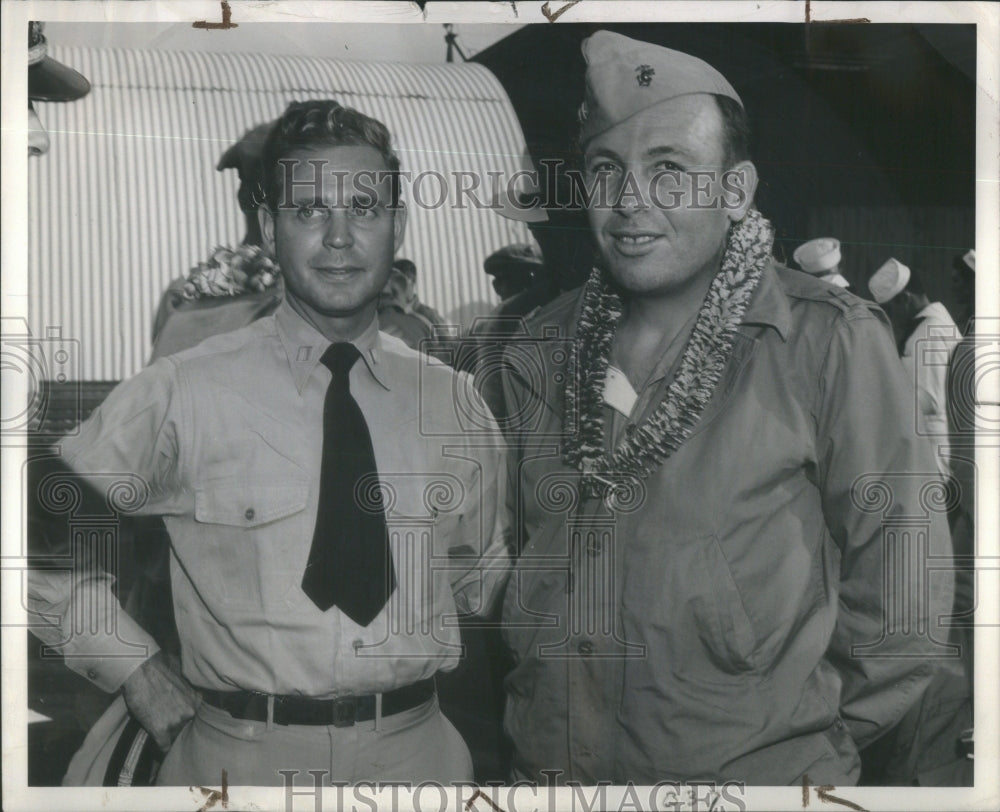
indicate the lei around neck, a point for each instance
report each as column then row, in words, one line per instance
column 748, row 250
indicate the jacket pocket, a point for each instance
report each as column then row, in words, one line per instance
column 682, row 601
column 723, row 623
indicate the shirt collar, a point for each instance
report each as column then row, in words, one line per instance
column 769, row 304
column 304, row 345
column 935, row 309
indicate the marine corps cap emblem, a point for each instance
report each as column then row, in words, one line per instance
column 644, row 75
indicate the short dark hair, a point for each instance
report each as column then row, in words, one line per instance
column 323, row 123
column 735, row 130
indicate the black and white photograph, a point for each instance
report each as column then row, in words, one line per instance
column 506, row 406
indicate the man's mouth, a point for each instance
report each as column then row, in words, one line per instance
column 337, row 271
column 634, row 243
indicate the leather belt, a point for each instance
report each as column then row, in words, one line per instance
column 301, row 710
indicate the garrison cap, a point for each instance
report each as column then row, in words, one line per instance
column 626, row 76
column 245, row 157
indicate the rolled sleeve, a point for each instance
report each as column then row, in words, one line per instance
column 880, row 487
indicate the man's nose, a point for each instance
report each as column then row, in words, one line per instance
column 38, row 138
column 338, row 230
column 630, row 195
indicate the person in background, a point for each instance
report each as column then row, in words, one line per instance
column 396, row 315
column 513, row 269
column 245, row 157
column 558, row 227
column 566, row 257
column 962, row 402
column 66, row 704
column 409, row 269
column 310, row 634
column 700, row 592
column 926, row 337
column 48, row 81
column 963, row 289
column 233, row 286
column 933, row 743
column 821, row 258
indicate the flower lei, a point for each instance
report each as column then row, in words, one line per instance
column 230, row 272
column 748, row 250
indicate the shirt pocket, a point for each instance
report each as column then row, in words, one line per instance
column 248, row 506
column 241, row 529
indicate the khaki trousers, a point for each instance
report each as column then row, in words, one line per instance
column 413, row 746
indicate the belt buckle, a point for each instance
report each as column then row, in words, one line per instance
column 345, row 711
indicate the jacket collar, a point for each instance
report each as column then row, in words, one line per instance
column 769, row 304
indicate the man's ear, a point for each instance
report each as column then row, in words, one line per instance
column 398, row 225
column 739, row 185
column 265, row 217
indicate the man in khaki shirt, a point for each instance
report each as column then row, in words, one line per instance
column 226, row 441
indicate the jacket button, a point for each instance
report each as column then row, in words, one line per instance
column 91, row 673
column 249, row 514
column 585, row 647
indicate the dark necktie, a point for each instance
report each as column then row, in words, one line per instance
column 350, row 564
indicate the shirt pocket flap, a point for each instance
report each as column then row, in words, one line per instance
column 248, row 505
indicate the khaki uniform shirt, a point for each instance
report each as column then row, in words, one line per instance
column 225, row 441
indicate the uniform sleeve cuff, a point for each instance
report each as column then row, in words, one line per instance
column 119, row 656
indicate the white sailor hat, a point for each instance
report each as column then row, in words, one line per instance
column 819, row 255
column 626, row 76
column 888, row 281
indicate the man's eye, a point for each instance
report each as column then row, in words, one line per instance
column 668, row 166
column 310, row 213
column 363, row 208
column 603, row 168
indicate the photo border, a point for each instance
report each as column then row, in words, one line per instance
column 13, row 255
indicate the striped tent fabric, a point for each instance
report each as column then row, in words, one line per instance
column 128, row 197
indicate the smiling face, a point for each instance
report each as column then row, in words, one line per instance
column 670, row 203
column 334, row 235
